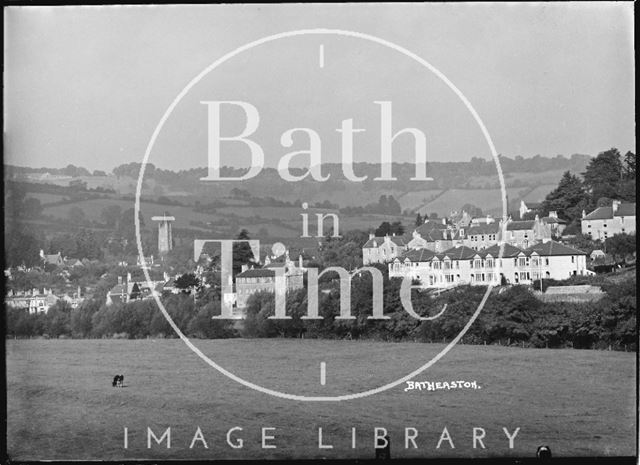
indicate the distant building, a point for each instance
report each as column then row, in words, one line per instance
column 526, row 233
column 36, row 301
column 605, row 222
column 251, row 280
column 556, row 225
column 479, row 236
column 165, row 237
column 382, row 249
column 435, row 239
column 136, row 289
column 464, row 265
column 52, row 259
column 526, row 207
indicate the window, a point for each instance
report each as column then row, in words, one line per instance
column 522, row 261
column 604, row 225
column 489, row 263
column 573, row 259
column 546, row 261
column 478, row 264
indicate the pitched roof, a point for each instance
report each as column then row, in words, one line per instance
column 257, row 273
column 552, row 220
column 509, row 251
column 626, row 209
column 553, row 248
column 532, row 205
column 432, row 235
column 118, row 289
column 460, row 253
column 417, row 255
column 430, row 226
column 483, row 228
column 397, row 240
column 379, row 240
column 600, row 213
column 54, row 259
column 520, row 225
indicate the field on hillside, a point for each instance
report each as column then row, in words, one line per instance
column 61, row 405
column 93, row 208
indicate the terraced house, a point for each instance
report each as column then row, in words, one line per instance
column 463, row 265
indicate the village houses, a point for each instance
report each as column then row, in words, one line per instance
column 605, row 222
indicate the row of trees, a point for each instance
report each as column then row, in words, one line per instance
column 386, row 205
column 514, row 316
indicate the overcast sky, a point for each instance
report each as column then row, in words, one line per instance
column 88, row 85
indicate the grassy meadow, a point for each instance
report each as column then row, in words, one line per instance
column 61, row 405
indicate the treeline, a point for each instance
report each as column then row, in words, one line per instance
column 385, row 205
column 510, row 317
column 133, row 320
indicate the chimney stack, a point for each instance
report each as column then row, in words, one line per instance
column 615, row 205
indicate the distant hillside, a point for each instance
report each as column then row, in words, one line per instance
column 269, row 207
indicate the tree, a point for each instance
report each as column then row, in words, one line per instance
column 629, row 166
column 187, row 282
column 621, row 245
column 242, row 253
column 603, row 174
column 76, row 215
column 568, row 199
column 472, row 210
column 22, row 247
column 627, row 188
column 419, row 220
column 110, row 215
column 390, row 229
column 32, row 208
column 87, row 245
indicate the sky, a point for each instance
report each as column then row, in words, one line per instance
column 89, row 85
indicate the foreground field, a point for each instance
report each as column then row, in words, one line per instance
column 61, row 405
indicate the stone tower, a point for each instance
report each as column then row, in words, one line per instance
column 165, row 239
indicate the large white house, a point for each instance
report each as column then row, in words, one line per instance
column 464, row 265
column 604, row 222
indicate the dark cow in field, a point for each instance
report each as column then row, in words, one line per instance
column 543, row 452
column 118, row 381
